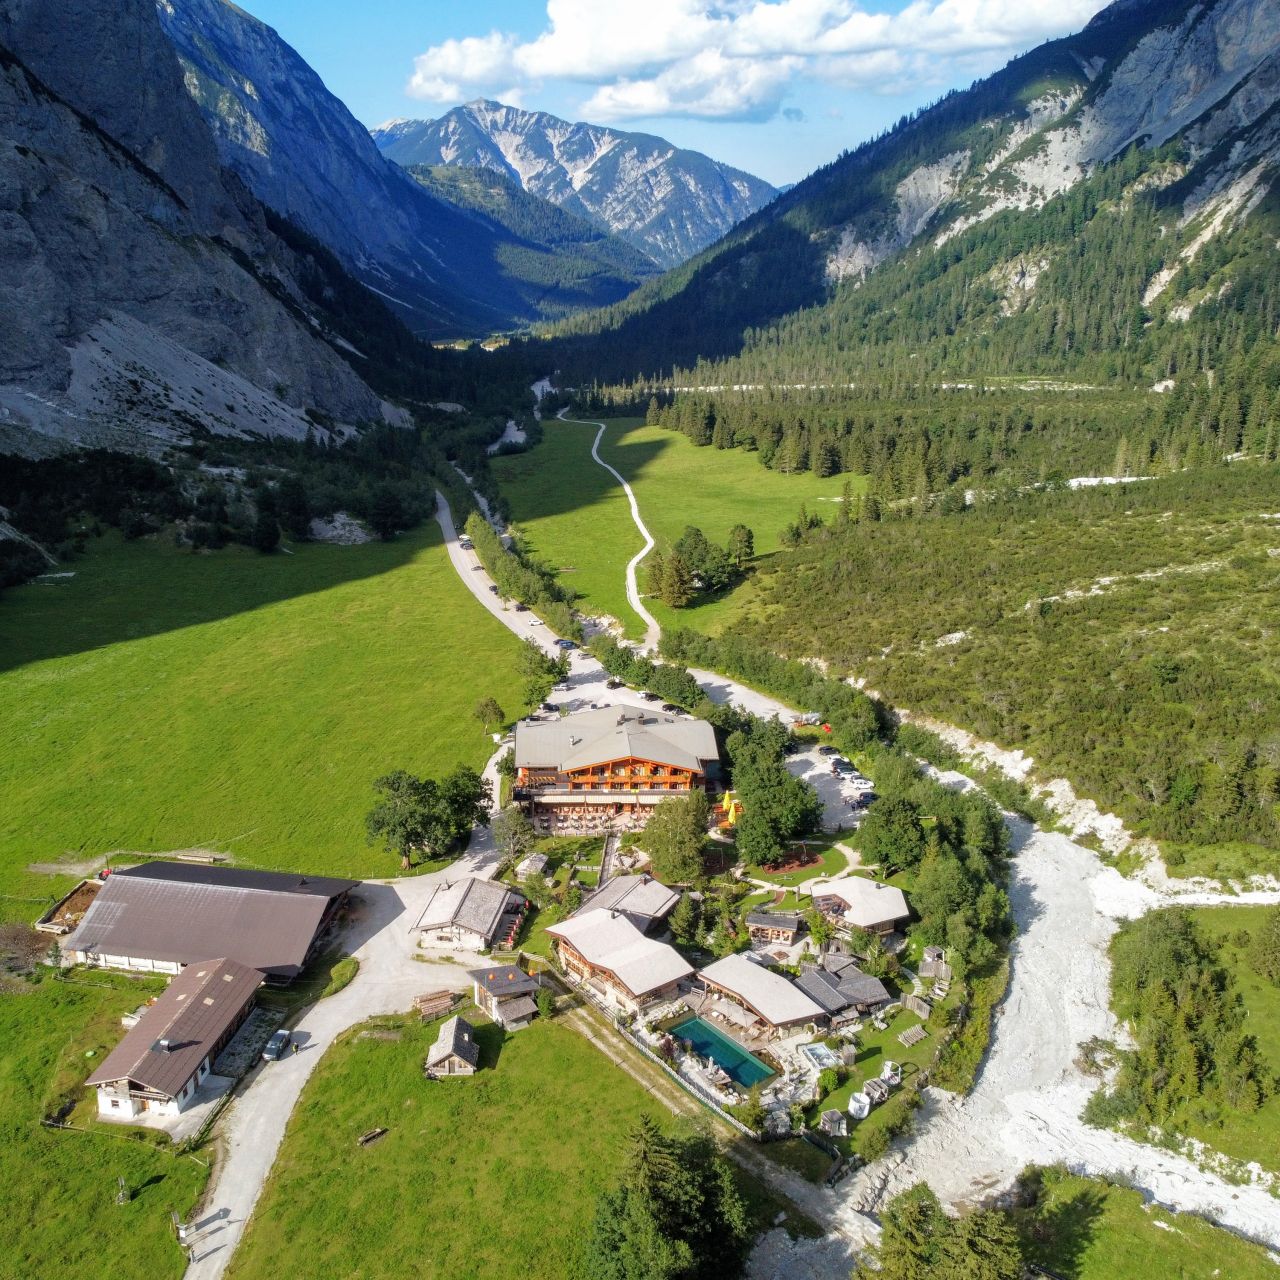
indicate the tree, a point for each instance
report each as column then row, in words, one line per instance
column 742, row 545
column 674, row 837
column 513, row 833
column 1265, row 952
column 488, row 712
column 400, row 817
column 676, row 1213
column 386, row 513
column 676, row 587
column 912, row 1229
column 292, row 506
column 421, row 813
column 684, row 920
column 266, row 532
column 982, row 1246
column 892, row 833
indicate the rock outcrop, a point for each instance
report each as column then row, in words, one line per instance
column 142, row 294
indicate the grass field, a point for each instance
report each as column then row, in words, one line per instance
column 496, row 1175
column 60, row 1217
column 577, row 517
column 1088, row 1230
column 161, row 700
column 1257, row 1136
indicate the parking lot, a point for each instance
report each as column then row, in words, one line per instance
column 835, row 793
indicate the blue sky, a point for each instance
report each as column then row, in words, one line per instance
column 776, row 87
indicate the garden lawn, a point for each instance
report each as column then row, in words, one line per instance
column 160, row 700
column 1088, row 1230
column 1256, row 1136
column 577, row 516
column 489, row 1176
column 827, row 862
column 60, row 1217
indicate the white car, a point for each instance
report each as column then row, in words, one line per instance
column 535, row 622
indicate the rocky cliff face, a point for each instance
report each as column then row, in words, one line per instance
column 1205, row 72
column 668, row 202
column 300, row 151
column 141, row 293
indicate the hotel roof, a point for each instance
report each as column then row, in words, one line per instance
column 774, row 998
column 608, row 940
column 177, row 913
column 614, row 733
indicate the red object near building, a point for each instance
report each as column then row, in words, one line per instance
column 826, row 728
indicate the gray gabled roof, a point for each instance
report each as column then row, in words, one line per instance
column 238, row 878
column 179, row 914
column 835, row 991
column 192, row 1015
column 774, row 920
column 615, row 733
column 457, row 1037
column 635, row 896
column 504, row 980
column 469, row 903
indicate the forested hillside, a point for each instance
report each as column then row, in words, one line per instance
column 1123, row 636
column 576, row 263
column 1092, row 209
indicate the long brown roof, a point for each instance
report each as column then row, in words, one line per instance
column 172, row 912
column 191, row 1017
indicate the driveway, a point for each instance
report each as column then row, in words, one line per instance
column 389, row 978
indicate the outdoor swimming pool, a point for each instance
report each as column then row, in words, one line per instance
column 740, row 1066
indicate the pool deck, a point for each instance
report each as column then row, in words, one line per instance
column 712, row 1035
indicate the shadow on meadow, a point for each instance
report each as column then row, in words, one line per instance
column 125, row 591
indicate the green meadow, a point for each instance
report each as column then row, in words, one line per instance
column 61, row 1217
column 576, row 517
column 492, row 1175
column 160, row 700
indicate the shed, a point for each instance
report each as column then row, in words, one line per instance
column 455, row 1052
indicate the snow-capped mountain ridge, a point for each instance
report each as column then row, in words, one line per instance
column 668, row 202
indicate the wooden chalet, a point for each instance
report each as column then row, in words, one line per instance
column 598, row 765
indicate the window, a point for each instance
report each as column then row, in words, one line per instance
column 115, row 1102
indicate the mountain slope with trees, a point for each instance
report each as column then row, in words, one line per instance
column 1018, row 205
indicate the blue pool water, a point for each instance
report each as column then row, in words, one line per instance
column 708, row 1042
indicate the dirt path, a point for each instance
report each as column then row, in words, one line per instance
column 652, row 633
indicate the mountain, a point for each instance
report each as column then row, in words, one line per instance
column 144, row 293
column 668, row 202
column 581, row 264
column 446, row 269
column 1102, row 199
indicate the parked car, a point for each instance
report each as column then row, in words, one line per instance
column 521, row 608
column 276, row 1046
column 613, row 684
column 827, row 750
column 493, row 586
column 671, row 706
column 535, row 622
column 551, row 706
column 465, row 544
column 649, row 697
column 563, row 687
column 566, row 645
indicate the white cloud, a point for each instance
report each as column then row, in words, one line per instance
column 737, row 59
